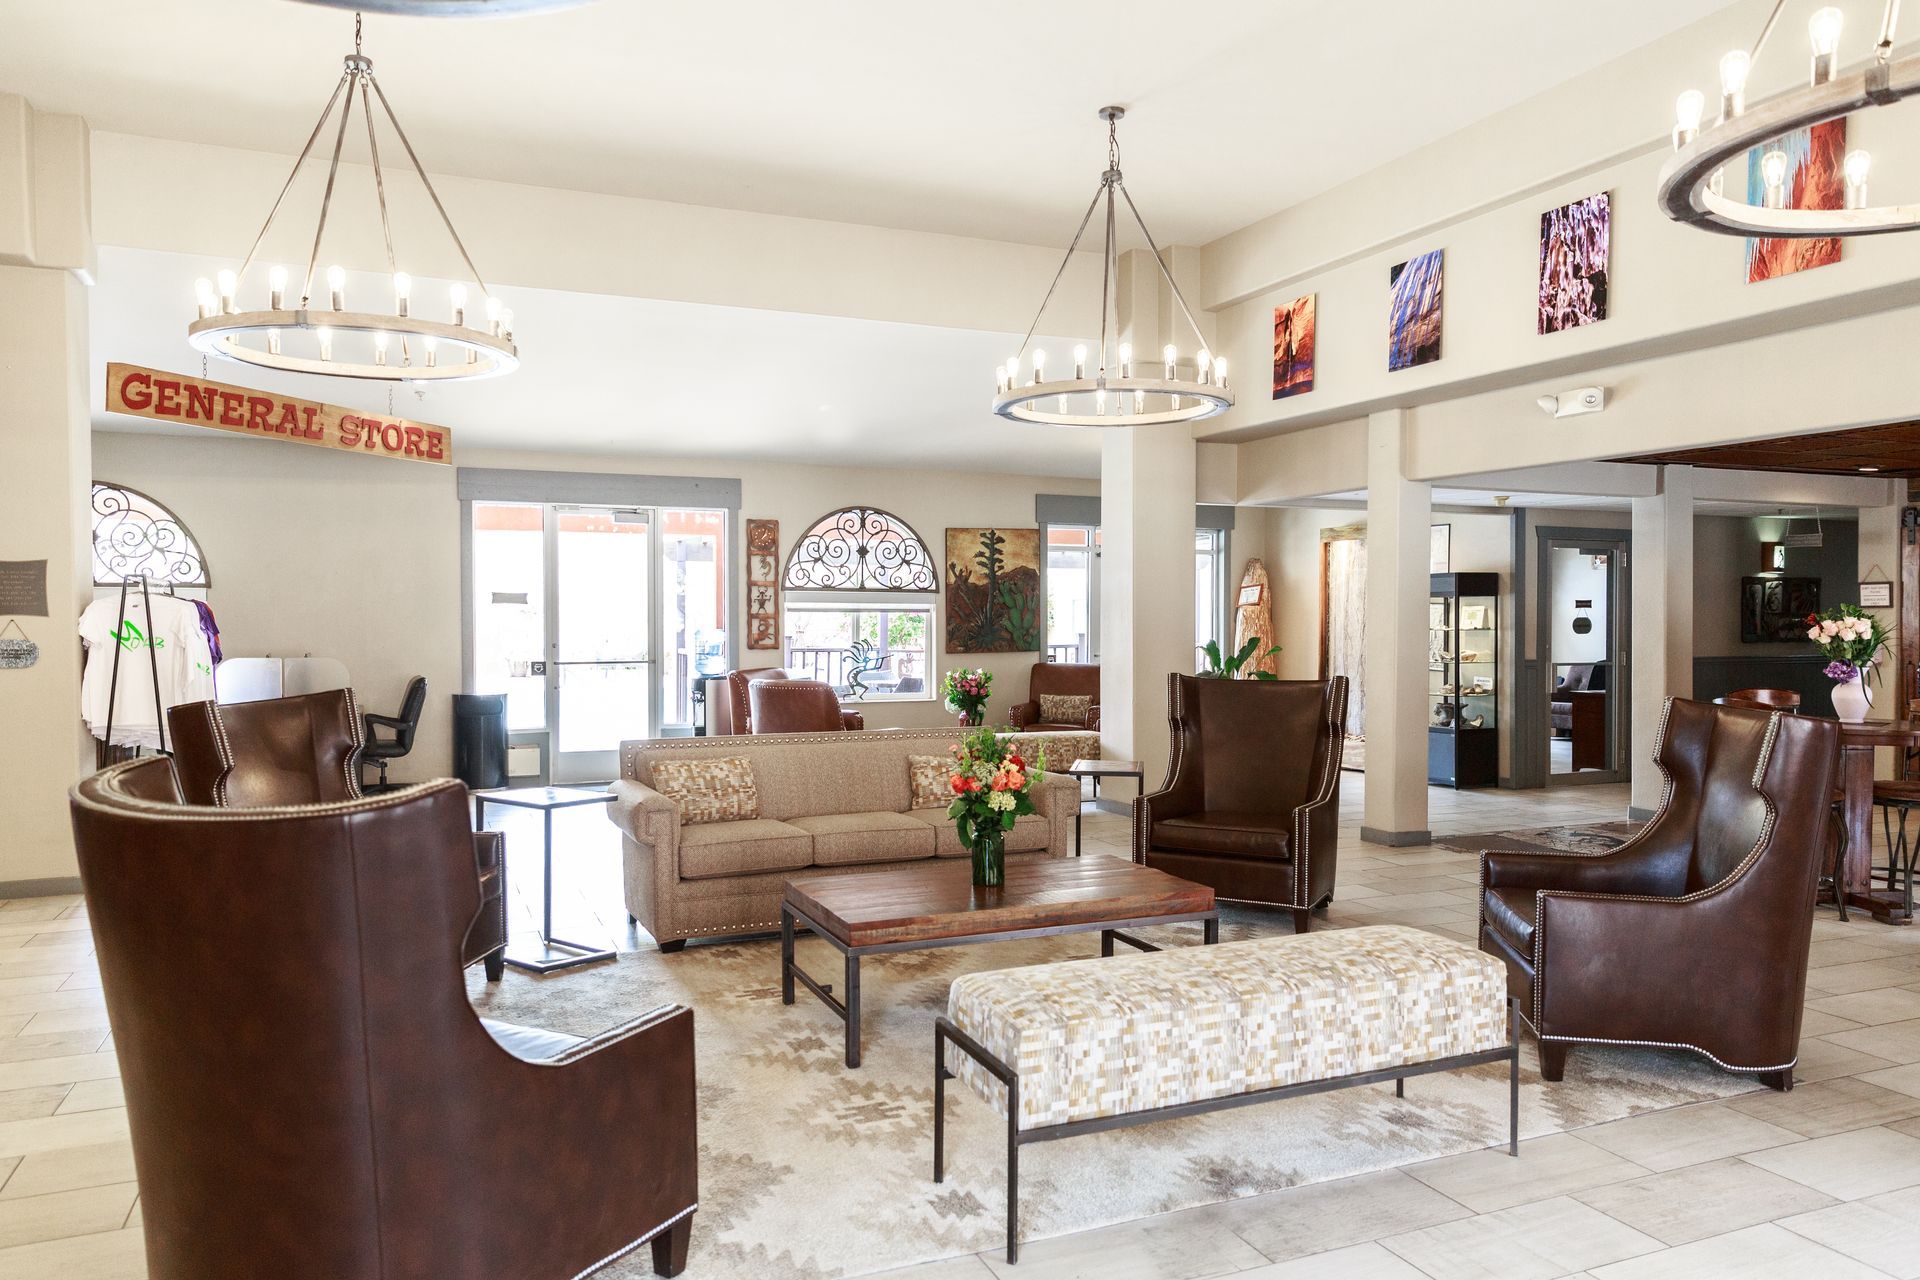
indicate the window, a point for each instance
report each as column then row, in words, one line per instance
column 693, row 553
column 861, row 549
column 1073, row 593
column 510, row 609
column 879, row 647
column 1209, row 587
column 133, row 536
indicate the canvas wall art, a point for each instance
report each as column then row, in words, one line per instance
column 1815, row 180
column 1293, row 347
column 1413, row 311
column 1574, row 243
column 993, row 591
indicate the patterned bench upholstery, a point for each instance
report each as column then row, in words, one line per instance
column 1107, row 1037
column 1062, row 748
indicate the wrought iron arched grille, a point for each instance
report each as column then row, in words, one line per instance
column 133, row 536
column 860, row 549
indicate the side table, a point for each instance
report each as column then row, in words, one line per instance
column 1098, row 769
column 555, row 953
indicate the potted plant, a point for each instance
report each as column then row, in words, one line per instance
column 992, row 785
column 966, row 690
column 1852, row 641
column 1219, row 668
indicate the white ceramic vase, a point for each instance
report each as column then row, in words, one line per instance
column 1852, row 700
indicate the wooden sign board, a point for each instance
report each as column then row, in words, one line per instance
column 175, row 397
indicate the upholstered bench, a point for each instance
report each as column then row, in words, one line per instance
column 1062, row 747
column 1088, row 1045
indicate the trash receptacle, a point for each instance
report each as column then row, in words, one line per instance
column 480, row 739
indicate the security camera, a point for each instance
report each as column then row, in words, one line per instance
column 1571, row 404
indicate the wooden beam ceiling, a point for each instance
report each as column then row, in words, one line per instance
column 1890, row 450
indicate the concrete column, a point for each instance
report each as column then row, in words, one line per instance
column 46, row 459
column 1661, row 654
column 1147, row 477
column 1399, row 513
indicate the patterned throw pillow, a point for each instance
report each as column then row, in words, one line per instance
column 716, row 790
column 932, row 780
column 1065, row 708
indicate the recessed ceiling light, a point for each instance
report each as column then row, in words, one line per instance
column 1869, row 468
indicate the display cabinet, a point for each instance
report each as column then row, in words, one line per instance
column 1463, row 680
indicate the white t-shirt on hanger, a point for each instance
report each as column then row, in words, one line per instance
column 177, row 644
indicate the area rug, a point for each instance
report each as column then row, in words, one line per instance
column 1592, row 837
column 808, row 1169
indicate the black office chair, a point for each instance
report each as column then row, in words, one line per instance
column 378, row 751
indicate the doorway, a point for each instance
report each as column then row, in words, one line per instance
column 1583, row 634
column 1343, row 629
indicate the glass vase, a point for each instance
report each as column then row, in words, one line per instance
column 989, row 857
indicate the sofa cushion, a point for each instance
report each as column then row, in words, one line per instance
column 931, row 779
column 1029, row 834
column 741, row 848
column 1510, row 914
column 1065, row 708
column 841, row 838
column 1225, row 831
column 715, row 789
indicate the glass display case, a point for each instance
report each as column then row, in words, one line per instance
column 1463, row 680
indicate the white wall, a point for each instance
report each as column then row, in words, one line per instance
column 317, row 552
column 1575, row 578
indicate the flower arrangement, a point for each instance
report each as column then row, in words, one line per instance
column 992, row 786
column 1851, row 640
column 966, row 689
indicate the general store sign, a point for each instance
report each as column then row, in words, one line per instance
column 175, row 397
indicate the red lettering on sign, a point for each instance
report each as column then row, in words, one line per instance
column 289, row 420
column 199, row 401
column 391, row 437
column 166, row 401
column 258, row 407
column 231, row 405
column 413, row 442
column 349, row 430
column 313, row 427
column 136, row 389
column 435, row 443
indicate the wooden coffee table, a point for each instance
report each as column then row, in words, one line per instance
column 934, row 904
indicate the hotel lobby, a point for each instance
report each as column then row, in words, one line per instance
column 799, row 643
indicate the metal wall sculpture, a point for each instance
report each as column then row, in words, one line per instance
column 860, row 549
column 134, row 536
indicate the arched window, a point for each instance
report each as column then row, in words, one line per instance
column 860, row 549
column 133, row 536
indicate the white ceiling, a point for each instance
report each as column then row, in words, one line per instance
column 642, row 377
column 974, row 119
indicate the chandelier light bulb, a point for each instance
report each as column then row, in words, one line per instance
column 1823, row 31
column 1170, row 354
column 276, row 288
column 1773, row 172
column 1126, row 359
column 326, row 342
column 1733, row 83
column 1856, row 167
column 1080, row 362
column 506, row 323
column 337, row 288
column 1204, row 363
column 493, row 315
column 204, row 297
column 229, row 285
column 402, row 292
column 431, row 343
column 273, row 341
column 1220, row 372
column 457, row 296
column 1039, row 364
column 1687, row 110
column 379, row 348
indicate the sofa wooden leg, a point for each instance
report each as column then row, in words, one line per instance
column 1302, row 919
column 1779, row 1081
column 670, row 1248
column 1553, row 1059
column 496, row 964
column 668, row 948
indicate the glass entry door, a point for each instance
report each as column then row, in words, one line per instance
column 601, row 607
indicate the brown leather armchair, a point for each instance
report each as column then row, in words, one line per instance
column 1251, row 804
column 1081, row 679
column 795, row 706
column 732, row 713
column 1694, row 933
column 306, row 750
column 310, row 1093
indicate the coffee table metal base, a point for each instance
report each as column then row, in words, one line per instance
column 848, row 1010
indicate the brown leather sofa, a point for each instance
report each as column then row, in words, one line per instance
column 1694, row 933
column 732, row 712
column 306, row 750
column 1080, row 679
column 311, row 1095
column 795, row 706
column 1252, row 798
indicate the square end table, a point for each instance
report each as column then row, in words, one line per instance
column 555, row 953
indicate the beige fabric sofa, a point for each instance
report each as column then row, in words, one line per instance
column 829, row 803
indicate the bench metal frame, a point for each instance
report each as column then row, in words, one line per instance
column 944, row 1031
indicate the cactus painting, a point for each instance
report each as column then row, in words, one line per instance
column 993, row 591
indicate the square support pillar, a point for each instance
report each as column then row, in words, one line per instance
column 1660, row 664
column 1147, row 479
column 1399, row 513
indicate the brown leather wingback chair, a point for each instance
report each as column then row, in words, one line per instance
column 306, row 750
column 795, row 706
column 1251, row 804
column 1694, row 933
column 310, row 1093
column 733, row 712
column 1080, row 679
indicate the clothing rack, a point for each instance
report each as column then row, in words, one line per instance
column 153, row 661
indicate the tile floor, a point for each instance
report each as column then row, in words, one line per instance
column 1819, row 1183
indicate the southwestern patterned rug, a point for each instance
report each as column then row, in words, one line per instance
column 810, row 1170
column 1594, row 837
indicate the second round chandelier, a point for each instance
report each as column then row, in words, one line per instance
column 1113, row 390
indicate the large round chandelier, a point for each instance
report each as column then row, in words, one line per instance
column 1692, row 187
column 1119, row 393
column 387, row 345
